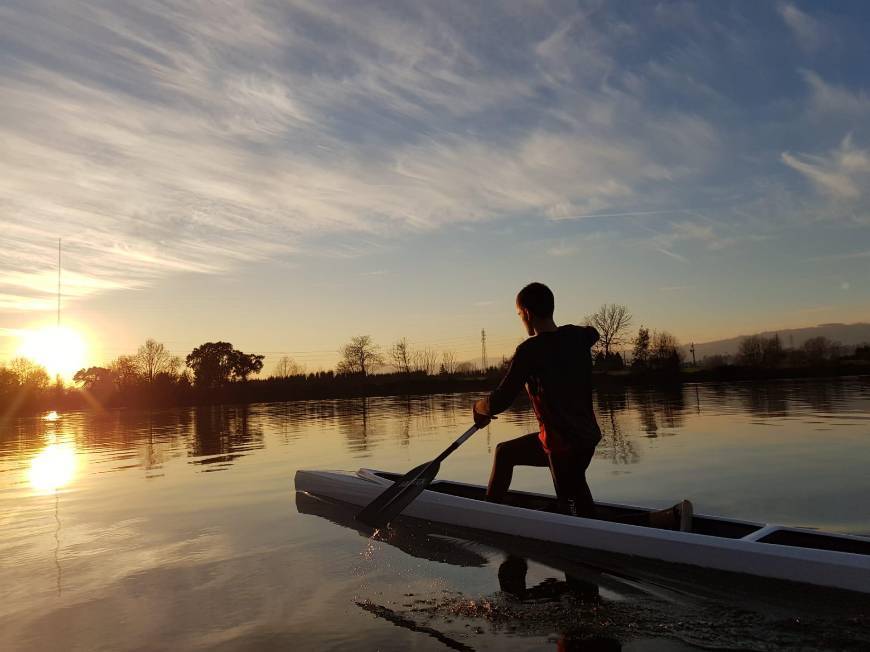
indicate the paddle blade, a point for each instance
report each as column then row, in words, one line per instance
column 394, row 499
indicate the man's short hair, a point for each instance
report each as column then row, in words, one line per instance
column 538, row 299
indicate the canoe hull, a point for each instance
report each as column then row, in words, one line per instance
column 819, row 567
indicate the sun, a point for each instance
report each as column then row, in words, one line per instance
column 61, row 350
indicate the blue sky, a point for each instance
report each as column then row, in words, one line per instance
column 286, row 175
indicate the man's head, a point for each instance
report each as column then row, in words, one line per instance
column 535, row 306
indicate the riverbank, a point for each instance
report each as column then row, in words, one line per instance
column 329, row 386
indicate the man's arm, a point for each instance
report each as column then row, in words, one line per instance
column 501, row 398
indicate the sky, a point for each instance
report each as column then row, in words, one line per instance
column 287, row 175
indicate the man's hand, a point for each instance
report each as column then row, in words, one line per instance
column 480, row 409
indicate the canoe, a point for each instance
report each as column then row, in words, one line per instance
column 839, row 561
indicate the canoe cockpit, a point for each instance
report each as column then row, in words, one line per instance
column 707, row 525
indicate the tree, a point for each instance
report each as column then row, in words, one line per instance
column 448, row 363
column 612, row 322
column 818, row 349
column 640, row 353
column 426, row 361
column 153, row 359
column 287, row 367
column 401, row 356
column 29, row 374
column 750, row 352
column 125, row 371
column 359, row 356
column 772, row 352
column 665, row 352
column 93, row 377
column 218, row 363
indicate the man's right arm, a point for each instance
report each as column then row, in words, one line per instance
column 511, row 385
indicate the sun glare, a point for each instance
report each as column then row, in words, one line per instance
column 60, row 350
column 53, row 468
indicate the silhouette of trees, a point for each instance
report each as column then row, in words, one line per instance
column 611, row 321
column 286, row 367
column 641, row 351
column 426, row 361
column 218, row 363
column 820, row 349
column 152, row 359
column 29, row 374
column 125, row 371
column 448, row 363
column 94, row 377
column 664, row 352
column 401, row 356
column 360, row 356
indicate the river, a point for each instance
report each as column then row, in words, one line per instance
column 181, row 529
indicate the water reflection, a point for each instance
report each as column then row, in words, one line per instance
column 54, row 467
column 120, row 499
column 222, row 434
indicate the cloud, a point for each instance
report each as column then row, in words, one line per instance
column 842, row 174
column 826, row 98
column 189, row 138
column 195, row 137
column 810, row 34
column 562, row 249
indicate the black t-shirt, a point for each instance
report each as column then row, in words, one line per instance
column 556, row 369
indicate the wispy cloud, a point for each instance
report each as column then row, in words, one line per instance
column 841, row 174
column 827, row 98
column 810, row 34
column 185, row 138
column 193, row 137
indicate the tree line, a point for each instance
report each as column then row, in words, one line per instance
column 217, row 371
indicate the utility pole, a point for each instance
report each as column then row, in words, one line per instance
column 692, row 349
column 483, row 349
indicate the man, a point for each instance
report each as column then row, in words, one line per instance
column 555, row 366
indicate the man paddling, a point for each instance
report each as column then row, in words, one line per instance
column 555, row 366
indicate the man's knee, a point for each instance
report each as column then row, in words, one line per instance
column 503, row 452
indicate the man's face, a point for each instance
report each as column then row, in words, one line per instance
column 526, row 318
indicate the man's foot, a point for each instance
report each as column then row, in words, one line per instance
column 678, row 517
column 685, row 511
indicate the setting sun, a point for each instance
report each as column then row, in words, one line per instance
column 60, row 350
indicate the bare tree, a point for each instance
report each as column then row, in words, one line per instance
column 287, row 367
column 426, row 360
column 611, row 321
column 359, row 356
column 448, row 362
column 401, row 356
column 153, row 359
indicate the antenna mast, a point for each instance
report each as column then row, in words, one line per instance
column 58, row 282
column 483, row 349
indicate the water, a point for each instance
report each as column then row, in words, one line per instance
column 180, row 528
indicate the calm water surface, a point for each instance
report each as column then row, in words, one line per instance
column 181, row 529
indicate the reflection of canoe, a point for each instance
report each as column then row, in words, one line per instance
column 770, row 551
column 415, row 541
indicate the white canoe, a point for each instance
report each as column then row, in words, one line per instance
column 771, row 551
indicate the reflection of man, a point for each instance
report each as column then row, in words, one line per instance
column 555, row 366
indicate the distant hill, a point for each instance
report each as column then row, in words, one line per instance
column 847, row 334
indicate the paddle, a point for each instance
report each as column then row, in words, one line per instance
column 402, row 493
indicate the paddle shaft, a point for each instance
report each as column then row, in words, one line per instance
column 461, row 440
